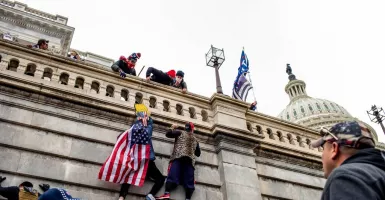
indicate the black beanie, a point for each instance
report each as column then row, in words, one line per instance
column 180, row 73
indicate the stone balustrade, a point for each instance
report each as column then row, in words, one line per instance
column 162, row 100
column 60, row 118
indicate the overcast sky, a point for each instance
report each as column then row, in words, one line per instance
column 336, row 46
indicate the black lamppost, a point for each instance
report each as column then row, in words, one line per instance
column 215, row 58
column 377, row 115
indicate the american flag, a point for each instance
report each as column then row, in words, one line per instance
column 129, row 159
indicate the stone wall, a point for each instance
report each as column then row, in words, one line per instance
column 61, row 134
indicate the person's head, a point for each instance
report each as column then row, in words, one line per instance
column 171, row 73
column 342, row 141
column 43, row 44
column 179, row 76
column 133, row 58
column 189, row 127
column 26, row 184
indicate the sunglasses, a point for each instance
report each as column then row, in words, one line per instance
column 324, row 132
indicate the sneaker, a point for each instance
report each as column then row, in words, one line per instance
column 165, row 196
column 150, row 197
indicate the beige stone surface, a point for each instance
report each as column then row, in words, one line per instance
column 55, row 133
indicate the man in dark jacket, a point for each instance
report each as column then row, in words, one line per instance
column 353, row 167
column 179, row 82
column 182, row 161
column 159, row 76
column 126, row 65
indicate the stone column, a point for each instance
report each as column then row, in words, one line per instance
column 237, row 169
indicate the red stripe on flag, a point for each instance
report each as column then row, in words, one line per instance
column 132, row 165
column 145, row 167
column 139, row 161
column 115, row 151
column 108, row 161
column 121, row 158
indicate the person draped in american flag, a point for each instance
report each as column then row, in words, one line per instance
column 133, row 159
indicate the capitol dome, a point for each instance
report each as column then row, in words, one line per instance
column 312, row 112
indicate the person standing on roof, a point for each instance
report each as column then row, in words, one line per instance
column 179, row 82
column 126, row 65
column 158, row 76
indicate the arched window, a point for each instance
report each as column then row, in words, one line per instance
column 95, row 87
column 64, row 79
column 110, row 91
column 287, row 116
column 259, row 130
column 166, row 106
column 79, row 83
column 191, row 110
column 138, row 97
column 124, row 95
column 302, row 110
column 47, row 74
column 205, row 115
column 179, row 109
column 311, row 108
column 13, row 65
column 30, row 70
column 318, row 106
column 295, row 113
column 152, row 102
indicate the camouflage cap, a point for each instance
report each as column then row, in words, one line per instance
column 346, row 134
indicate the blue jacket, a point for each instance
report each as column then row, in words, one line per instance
column 149, row 131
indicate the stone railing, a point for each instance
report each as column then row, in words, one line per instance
column 25, row 8
column 59, row 76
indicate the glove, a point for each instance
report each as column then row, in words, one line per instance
column 44, row 187
column 122, row 74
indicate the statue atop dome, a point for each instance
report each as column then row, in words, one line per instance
column 289, row 72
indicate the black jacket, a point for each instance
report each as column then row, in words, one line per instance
column 360, row 177
column 159, row 76
column 10, row 193
column 123, row 66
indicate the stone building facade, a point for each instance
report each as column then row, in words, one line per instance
column 59, row 124
column 59, row 120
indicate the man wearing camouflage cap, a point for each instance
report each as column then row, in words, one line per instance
column 353, row 167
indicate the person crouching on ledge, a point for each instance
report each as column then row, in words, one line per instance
column 182, row 161
column 179, row 82
column 126, row 65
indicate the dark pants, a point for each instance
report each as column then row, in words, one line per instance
column 181, row 172
column 153, row 174
column 11, row 193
